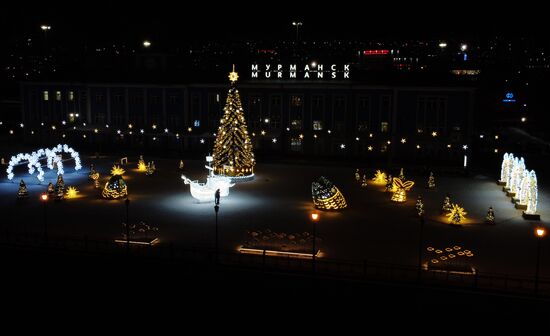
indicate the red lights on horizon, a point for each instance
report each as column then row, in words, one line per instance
column 372, row 52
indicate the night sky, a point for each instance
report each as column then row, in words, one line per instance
column 181, row 22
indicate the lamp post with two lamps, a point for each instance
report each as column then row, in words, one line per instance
column 44, row 199
column 297, row 24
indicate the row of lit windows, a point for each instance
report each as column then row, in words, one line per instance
column 58, row 95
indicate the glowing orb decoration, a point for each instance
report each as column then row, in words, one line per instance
column 457, row 215
column 53, row 160
column 115, row 188
column 379, row 178
column 326, row 196
column 117, row 170
column 400, row 189
column 71, row 192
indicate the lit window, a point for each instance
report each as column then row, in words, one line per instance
column 317, row 125
column 197, row 123
column 46, row 95
column 384, row 127
column 58, row 95
column 71, row 95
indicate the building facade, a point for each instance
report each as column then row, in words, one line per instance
column 317, row 118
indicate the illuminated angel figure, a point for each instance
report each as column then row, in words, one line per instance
column 457, row 215
column 379, row 178
column 400, row 189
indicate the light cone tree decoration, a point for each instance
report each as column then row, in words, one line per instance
column 516, row 176
column 400, row 189
column 528, row 196
column 141, row 164
column 457, row 215
column 233, row 154
column 379, row 178
column 326, row 195
column 506, row 169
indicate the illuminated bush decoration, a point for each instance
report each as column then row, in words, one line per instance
column 326, row 195
column 52, row 160
column 117, row 170
column 233, row 154
column 115, row 188
column 400, row 189
column 141, row 164
column 71, row 192
column 457, row 215
column 379, row 178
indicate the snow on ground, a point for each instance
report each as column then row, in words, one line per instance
column 372, row 227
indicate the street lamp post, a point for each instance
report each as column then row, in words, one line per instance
column 297, row 24
column 420, row 243
column 216, row 209
column 127, row 202
column 44, row 198
column 314, row 219
column 540, row 232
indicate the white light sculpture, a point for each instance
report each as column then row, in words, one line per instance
column 516, row 175
column 506, row 168
column 52, row 159
column 529, row 192
column 205, row 192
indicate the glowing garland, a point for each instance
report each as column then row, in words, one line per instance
column 53, row 160
column 326, row 196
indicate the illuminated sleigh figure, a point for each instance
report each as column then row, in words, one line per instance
column 205, row 192
column 400, row 190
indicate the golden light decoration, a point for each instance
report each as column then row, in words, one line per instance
column 115, row 188
column 400, row 189
column 117, row 170
column 457, row 215
column 326, row 196
column 71, row 192
column 233, row 75
column 141, row 164
column 379, row 178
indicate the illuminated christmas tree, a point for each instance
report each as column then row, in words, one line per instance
column 379, row 178
column 457, row 214
column 60, row 187
column 51, row 189
column 233, row 154
column 419, row 206
column 22, row 192
column 490, row 218
column 141, row 164
column 364, row 182
column 446, row 204
column 431, row 181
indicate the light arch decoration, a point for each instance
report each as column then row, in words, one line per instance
column 52, row 160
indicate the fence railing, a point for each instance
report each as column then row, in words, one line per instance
column 321, row 267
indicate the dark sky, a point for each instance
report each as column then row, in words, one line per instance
column 179, row 21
